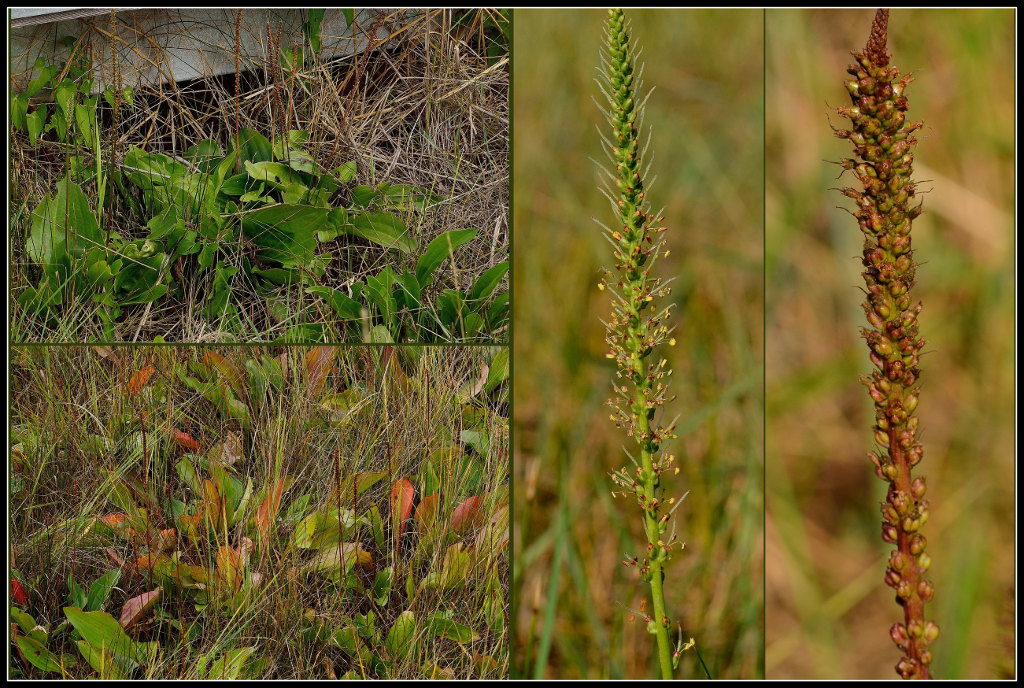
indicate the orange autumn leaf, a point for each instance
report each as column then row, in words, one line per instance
column 319, row 362
column 113, row 520
column 148, row 561
column 140, row 378
column 267, row 512
column 184, row 439
column 402, row 494
column 426, row 512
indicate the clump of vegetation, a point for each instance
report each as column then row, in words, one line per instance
column 636, row 329
column 251, row 513
column 883, row 141
column 249, row 223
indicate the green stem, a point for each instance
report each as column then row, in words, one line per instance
column 656, row 584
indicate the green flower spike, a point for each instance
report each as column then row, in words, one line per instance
column 883, row 141
column 637, row 328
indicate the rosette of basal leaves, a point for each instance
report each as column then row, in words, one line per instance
column 883, row 141
column 638, row 326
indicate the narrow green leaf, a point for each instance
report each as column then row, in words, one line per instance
column 438, row 250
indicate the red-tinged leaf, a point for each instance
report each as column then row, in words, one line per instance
column 184, row 439
column 18, row 592
column 114, row 556
column 319, row 362
column 135, row 608
column 467, row 515
column 140, row 378
column 392, row 370
column 267, row 512
column 229, row 568
column 402, row 494
column 426, row 512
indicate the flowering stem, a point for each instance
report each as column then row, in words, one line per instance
column 636, row 329
column 883, row 141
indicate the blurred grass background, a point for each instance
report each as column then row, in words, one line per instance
column 827, row 610
column 572, row 596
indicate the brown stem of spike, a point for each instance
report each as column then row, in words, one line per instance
column 913, row 604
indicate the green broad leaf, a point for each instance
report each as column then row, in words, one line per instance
column 384, row 229
column 472, row 324
column 35, row 122
column 208, row 255
column 229, row 486
column 76, row 594
column 382, row 583
column 323, row 529
column 306, row 333
column 345, row 172
column 218, row 304
column 363, row 481
column 100, row 590
column 401, row 638
column 138, row 279
column 363, row 196
column 19, row 110
column 497, row 314
column 438, row 625
column 64, row 97
column 275, row 174
column 450, row 308
column 109, row 666
column 345, row 307
column 350, row 15
column 204, row 150
column 455, row 568
column 25, row 621
column 408, row 291
column 229, row 665
column 380, row 292
column 39, row 299
column 46, row 73
column 282, row 276
column 101, row 630
column 238, row 185
column 165, row 224
column 254, row 146
column 312, row 28
column 62, row 225
column 488, row 282
column 335, row 562
column 285, row 234
column 291, row 58
column 437, row 251
column 256, row 195
column 498, row 372
column 187, row 473
column 479, row 440
column 377, row 526
column 84, row 119
column 41, row 658
column 379, row 334
column 59, row 124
